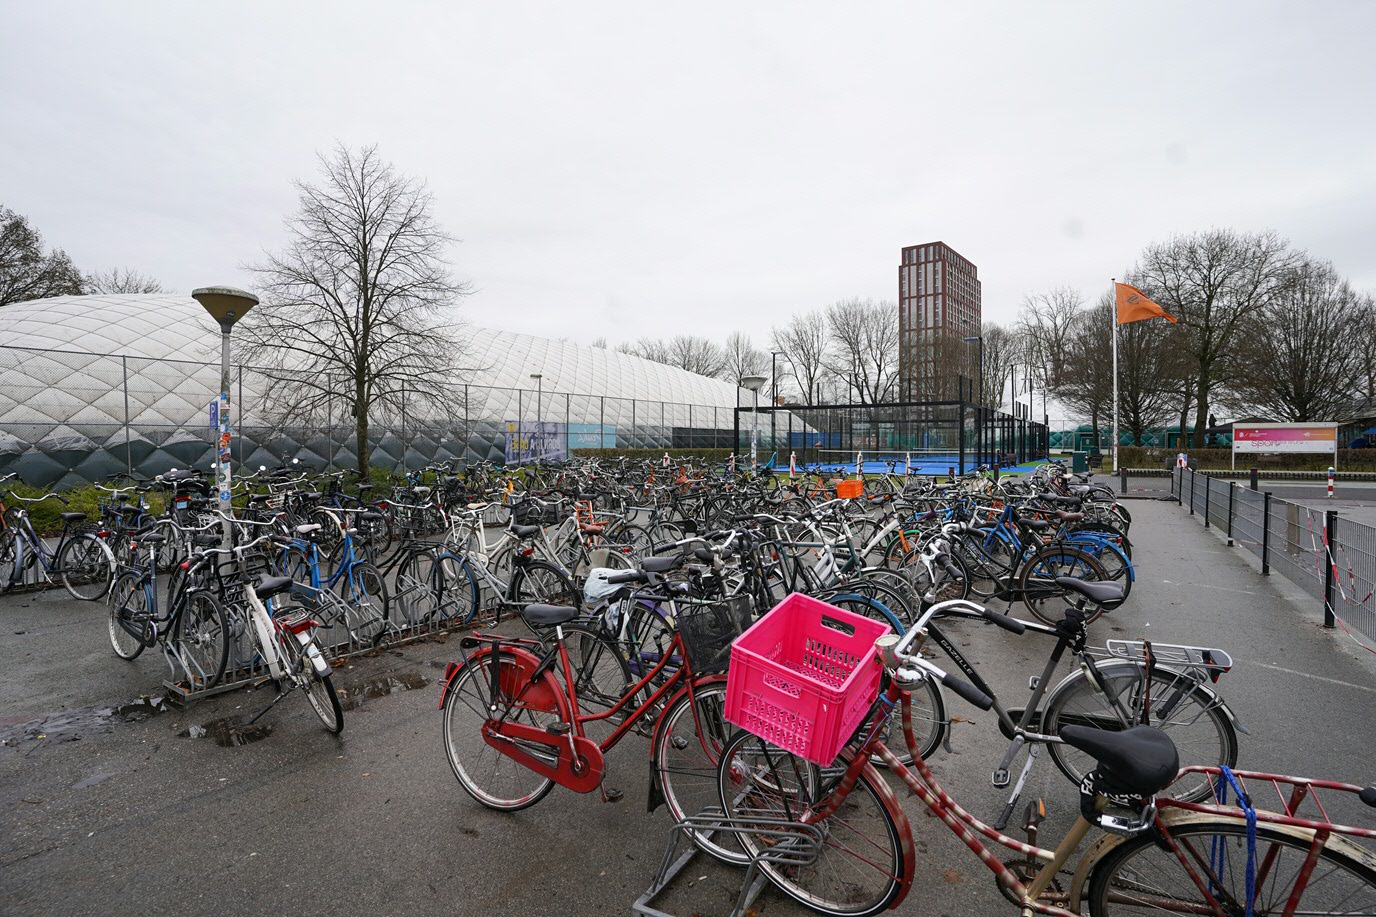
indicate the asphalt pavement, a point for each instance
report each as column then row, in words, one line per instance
column 112, row 804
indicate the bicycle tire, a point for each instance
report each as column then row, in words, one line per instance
column 1117, row 566
column 459, row 592
column 319, row 689
column 88, row 567
column 1194, row 719
column 600, row 677
column 128, row 600
column 689, row 736
column 487, row 775
column 1037, row 586
column 201, row 639
column 417, row 593
column 540, row 582
column 861, row 867
column 1140, row 875
column 365, row 593
column 9, row 577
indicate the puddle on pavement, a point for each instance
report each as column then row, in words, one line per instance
column 71, row 725
column 359, row 694
column 227, row 733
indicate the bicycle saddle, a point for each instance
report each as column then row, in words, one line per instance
column 662, row 564
column 1069, row 517
column 524, row 531
column 71, row 517
column 548, row 615
column 268, row 586
column 1140, row 761
column 1100, row 593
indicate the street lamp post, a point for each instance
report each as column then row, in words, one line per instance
column 754, row 383
column 774, row 393
column 539, row 397
column 226, row 305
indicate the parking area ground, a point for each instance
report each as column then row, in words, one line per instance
column 109, row 805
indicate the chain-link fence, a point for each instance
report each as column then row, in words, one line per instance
column 1328, row 556
column 70, row 418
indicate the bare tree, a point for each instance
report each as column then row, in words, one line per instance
column 1003, row 354
column 1367, row 302
column 863, row 347
column 26, row 270
column 743, row 359
column 1088, row 388
column 1045, row 323
column 1213, row 282
column 1300, row 358
column 685, row 351
column 600, row 343
column 362, row 296
column 121, row 280
column 804, row 342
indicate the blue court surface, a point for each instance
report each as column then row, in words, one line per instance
column 926, row 466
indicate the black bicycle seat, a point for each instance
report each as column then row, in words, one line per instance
column 524, row 531
column 268, row 586
column 1100, row 593
column 548, row 615
column 71, row 517
column 662, row 564
column 1141, row 761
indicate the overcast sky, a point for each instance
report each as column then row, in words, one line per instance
column 629, row 169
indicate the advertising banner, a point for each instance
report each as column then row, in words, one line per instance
column 1277, row 437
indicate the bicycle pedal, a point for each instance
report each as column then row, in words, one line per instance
column 999, row 778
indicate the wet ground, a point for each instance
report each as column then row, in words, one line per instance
column 113, row 801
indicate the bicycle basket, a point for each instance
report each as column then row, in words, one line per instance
column 708, row 629
column 528, row 513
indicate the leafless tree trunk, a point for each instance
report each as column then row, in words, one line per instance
column 1214, row 282
column 362, row 290
column 804, row 341
column 1301, row 358
column 863, row 347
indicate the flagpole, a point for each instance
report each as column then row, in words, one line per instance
column 1113, row 317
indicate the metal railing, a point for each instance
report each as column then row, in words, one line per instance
column 1328, row 556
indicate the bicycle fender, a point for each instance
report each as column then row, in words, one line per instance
column 515, row 678
column 905, row 832
column 1109, row 666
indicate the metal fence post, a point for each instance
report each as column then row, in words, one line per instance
column 1266, row 533
column 129, row 446
column 1193, row 474
column 1232, row 494
column 1330, row 524
column 1208, row 489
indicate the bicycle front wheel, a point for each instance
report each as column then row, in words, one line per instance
column 320, row 692
column 88, row 567
column 490, row 777
column 129, row 623
column 1194, row 719
column 201, row 640
column 860, row 868
column 366, row 595
column 1140, row 876
column 689, row 739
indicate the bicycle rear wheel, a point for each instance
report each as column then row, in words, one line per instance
column 860, row 868
column 129, row 625
column 486, row 774
column 88, row 567
column 1037, row 581
column 1140, row 877
column 1194, row 719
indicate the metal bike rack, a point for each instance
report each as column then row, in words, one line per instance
column 792, row 844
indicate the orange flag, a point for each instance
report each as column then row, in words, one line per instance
column 1133, row 305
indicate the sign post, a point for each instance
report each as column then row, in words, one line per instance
column 1308, row 438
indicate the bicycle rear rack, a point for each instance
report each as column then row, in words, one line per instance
column 1171, row 654
column 790, row 844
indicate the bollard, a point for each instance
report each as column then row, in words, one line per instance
column 1266, row 533
column 951, row 472
column 1330, row 524
column 1252, row 479
column 1331, row 474
column 1122, row 480
column 996, row 471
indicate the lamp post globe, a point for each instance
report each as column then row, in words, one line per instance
column 226, row 305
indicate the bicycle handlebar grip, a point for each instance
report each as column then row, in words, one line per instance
column 663, row 546
column 951, row 569
column 634, row 576
column 1012, row 625
column 968, row 691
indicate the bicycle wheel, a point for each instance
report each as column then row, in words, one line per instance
column 1140, row 876
column 1194, row 719
column 542, row 582
column 600, row 677
column 1037, row 581
column 689, row 737
column 929, row 718
column 1116, row 564
column 365, row 592
column 129, row 625
column 860, row 868
column 486, row 774
column 645, row 637
column 200, row 640
column 8, row 551
column 320, row 692
column 417, row 591
column 88, row 567
column 458, row 588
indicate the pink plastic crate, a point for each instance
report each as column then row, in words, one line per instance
column 803, row 676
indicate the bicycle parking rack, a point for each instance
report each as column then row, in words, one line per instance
column 793, row 844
